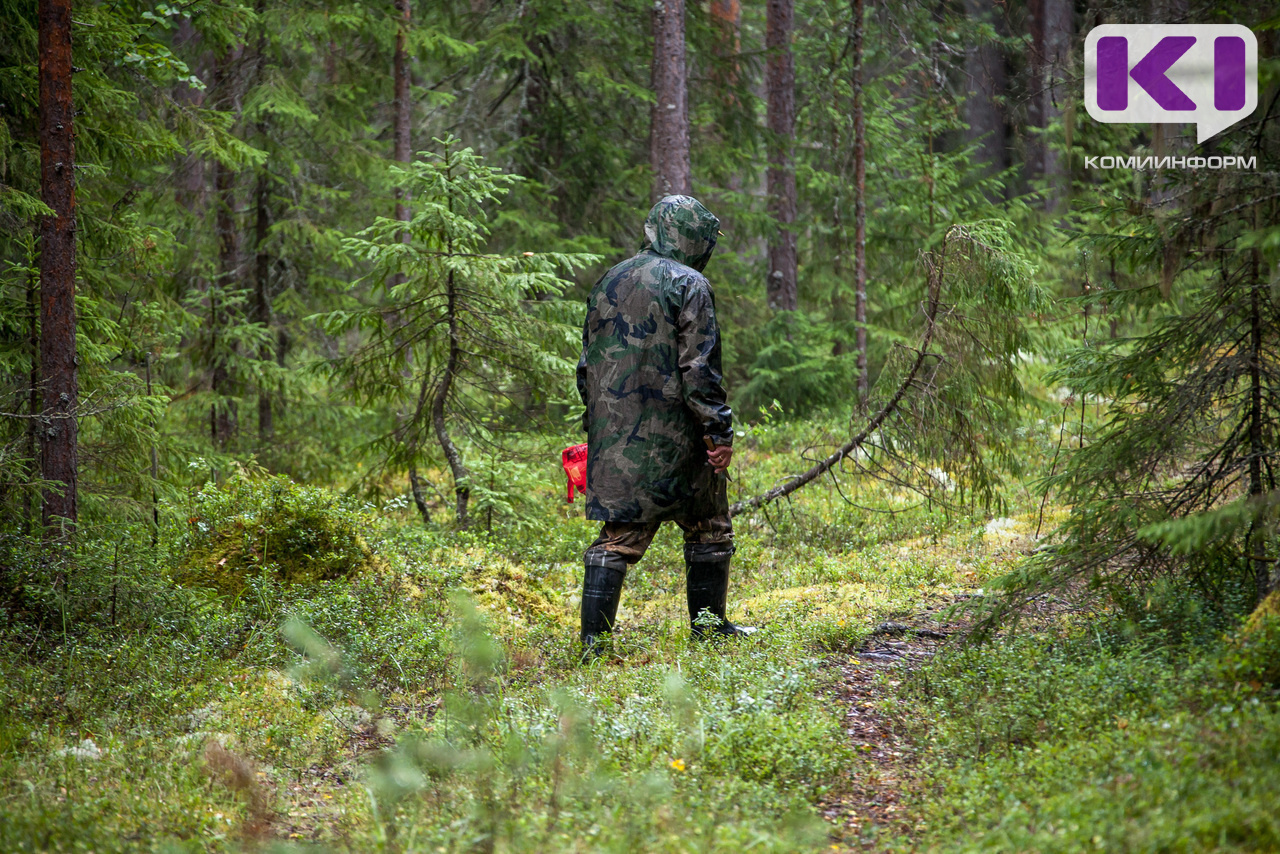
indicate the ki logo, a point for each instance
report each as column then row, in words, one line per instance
column 1139, row 73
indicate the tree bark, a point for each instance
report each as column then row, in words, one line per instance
column 726, row 17
column 58, row 362
column 223, row 414
column 669, row 124
column 781, row 289
column 461, row 476
column 415, row 488
column 402, row 152
column 33, row 396
column 262, row 298
column 189, row 177
column 984, row 106
column 403, row 105
column 1052, row 24
column 859, row 203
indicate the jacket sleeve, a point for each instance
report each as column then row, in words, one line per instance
column 698, row 351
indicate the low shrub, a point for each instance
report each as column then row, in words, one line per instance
column 298, row 534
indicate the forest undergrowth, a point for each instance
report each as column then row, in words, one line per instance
column 287, row 668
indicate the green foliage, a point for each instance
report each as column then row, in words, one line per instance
column 234, row 235
column 478, row 337
column 544, row 770
column 485, row 727
column 1078, row 739
column 795, row 367
column 274, row 527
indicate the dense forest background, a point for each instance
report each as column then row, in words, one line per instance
column 291, row 293
column 231, row 160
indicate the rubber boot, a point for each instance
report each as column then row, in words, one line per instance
column 601, row 592
column 707, row 588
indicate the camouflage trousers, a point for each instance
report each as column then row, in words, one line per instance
column 632, row 539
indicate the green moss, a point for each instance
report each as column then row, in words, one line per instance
column 298, row 534
column 512, row 593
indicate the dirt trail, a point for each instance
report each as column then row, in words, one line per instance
column 869, row 810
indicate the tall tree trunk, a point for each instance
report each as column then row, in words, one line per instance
column 781, row 289
column 57, row 266
column 262, row 298
column 262, row 257
column 189, row 178
column 402, row 122
column 725, row 80
column 402, row 152
column 33, row 395
column 726, row 17
column 223, row 414
column 669, row 124
column 984, row 106
column 859, row 202
column 1052, row 24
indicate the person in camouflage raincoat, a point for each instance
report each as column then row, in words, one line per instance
column 659, row 428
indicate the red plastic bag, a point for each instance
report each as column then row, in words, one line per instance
column 574, row 460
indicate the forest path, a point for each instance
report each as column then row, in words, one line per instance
column 869, row 809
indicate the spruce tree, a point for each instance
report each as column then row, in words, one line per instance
column 457, row 333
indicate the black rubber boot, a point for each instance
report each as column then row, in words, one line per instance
column 601, row 592
column 707, row 588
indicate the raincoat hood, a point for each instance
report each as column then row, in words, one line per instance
column 681, row 229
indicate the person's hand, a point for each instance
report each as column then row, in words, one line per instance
column 719, row 457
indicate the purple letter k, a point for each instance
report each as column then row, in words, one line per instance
column 1149, row 73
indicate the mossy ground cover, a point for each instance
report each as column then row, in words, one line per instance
column 430, row 699
column 1082, row 737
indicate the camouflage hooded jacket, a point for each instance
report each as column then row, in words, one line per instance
column 650, row 378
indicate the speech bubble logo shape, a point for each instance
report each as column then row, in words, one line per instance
column 1148, row 73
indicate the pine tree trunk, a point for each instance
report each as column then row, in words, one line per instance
column 57, row 266
column 402, row 152
column 983, row 109
column 726, row 17
column 781, row 289
column 669, row 125
column 1058, row 42
column 859, row 203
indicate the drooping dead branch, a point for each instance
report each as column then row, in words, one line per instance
column 960, row 382
column 922, row 355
